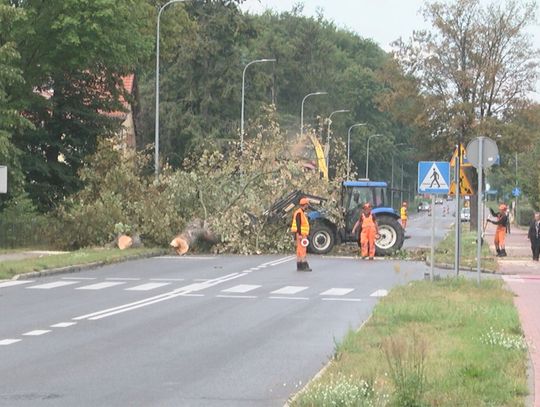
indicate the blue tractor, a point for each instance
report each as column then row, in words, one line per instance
column 325, row 234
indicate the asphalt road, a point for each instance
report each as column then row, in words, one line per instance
column 183, row 331
column 418, row 233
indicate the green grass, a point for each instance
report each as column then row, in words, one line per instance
column 445, row 251
column 80, row 257
column 447, row 343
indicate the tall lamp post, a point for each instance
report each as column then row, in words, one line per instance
column 257, row 61
column 367, row 153
column 156, row 164
column 349, row 146
column 302, row 109
column 328, row 134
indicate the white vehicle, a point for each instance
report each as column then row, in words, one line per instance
column 465, row 215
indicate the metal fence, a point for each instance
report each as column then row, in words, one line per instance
column 15, row 233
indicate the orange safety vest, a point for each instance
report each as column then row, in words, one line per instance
column 304, row 223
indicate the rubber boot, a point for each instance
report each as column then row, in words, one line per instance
column 503, row 253
column 306, row 266
column 498, row 251
column 299, row 266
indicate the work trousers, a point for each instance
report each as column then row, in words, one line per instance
column 301, row 251
column 535, row 247
column 500, row 236
column 367, row 241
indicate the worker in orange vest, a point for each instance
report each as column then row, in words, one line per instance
column 403, row 213
column 300, row 228
column 500, row 232
column 369, row 231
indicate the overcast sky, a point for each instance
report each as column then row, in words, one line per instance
column 381, row 20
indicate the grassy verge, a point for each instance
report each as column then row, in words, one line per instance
column 445, row 251
column 447, row 343
column 80, row 257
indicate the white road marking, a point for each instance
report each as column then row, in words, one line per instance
column 236, row 296
column 379, row 293
column 56, row 284
column 290, row 289
column 242, row 288
column 285, row 260
column 37, row 332
column 189, row 289
column 63, row 324
column 167, row 279
column 5, row 342
column 269, row 263
column 337, row 291
column 78, row 278
column 100, row 286
column 200, row 279
column 147, row 286
column 289, row 298
column 184, row 257
column 15, row 282
column 342, row 299
column 122, row 279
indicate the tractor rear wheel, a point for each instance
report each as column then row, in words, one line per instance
column 391, row 236
column 322, row 238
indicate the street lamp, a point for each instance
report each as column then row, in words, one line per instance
column 349, row 146
column 367, row 153
column 328, row 134
column 302, row 109
column 243, row 93
column 156, row 164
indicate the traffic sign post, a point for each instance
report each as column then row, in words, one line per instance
column 3, row 179
column 433, row 178
column 483, row 153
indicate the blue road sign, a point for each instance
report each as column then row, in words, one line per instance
column 433, row 177
column 516, row 191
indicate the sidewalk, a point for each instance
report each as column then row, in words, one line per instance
column 522, row 275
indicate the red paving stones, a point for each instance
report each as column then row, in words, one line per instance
column 522, row 275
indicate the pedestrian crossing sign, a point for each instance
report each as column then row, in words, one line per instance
column 433, row 177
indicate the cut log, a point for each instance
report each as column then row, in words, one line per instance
column 124, row 242
column 195, row 231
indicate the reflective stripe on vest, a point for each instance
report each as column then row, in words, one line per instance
column 304, row 223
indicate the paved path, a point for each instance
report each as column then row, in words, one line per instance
column 523, row 277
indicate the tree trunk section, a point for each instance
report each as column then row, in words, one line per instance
column 195, row 231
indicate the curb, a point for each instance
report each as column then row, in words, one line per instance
column 81, row 267
column 461, row 268
column 293, row 398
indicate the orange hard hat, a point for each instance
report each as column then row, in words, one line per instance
column 304, row 201
column 502, row 207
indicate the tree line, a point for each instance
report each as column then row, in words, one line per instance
column 61, row 64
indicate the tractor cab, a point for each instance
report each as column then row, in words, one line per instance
column 355, row 194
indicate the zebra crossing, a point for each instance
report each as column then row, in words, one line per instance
column 234, row 291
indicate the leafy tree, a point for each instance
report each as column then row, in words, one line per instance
column 11, row 119
column 73, row 55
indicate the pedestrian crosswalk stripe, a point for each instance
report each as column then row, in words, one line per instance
column 337, row 291
column 37, row 332
column 290, row 289
column 99, row 286
column 15, row 282
column 56, row 284
column 379, row 293
column 8, row 341
column 146, row 287
column 63, row 324
column 242, row 288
